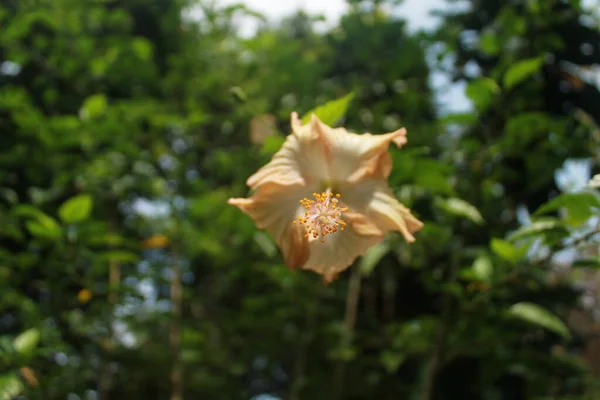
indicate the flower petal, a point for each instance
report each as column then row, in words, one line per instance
column 375, row 199
column 342, row 248
column 352, row 157
column 301, row 159
column 274, row 207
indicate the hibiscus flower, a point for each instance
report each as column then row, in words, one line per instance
column 324, row 196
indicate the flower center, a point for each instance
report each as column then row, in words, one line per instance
column 322, row 216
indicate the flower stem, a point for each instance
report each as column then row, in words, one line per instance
column 352, row 297
column 439, row 353
column 446, row 321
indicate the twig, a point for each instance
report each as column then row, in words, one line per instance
column 300, row 361
column 105, row 381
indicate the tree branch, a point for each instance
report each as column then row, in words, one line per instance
column 175, row 333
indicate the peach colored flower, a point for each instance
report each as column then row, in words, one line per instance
column 324, row 196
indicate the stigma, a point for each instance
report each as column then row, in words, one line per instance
column 322, row 216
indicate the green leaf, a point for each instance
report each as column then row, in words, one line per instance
column 427, row 173
column 580, row 206
column 459, row 118
column 330, row 112
column 238, row 94
column 522, row 70
column 506, row 250
column 538, row 227
column 581, row 199
column 539, row 316
column 372, row 257
column 533, row 6
column 93, row 107
column 142, row 48
column 106, row 239
column 27, row 341
column 10, row 386
column 526, row 126
column 392, row 360
column 483, row 269
column 76, row 209
column 489, row 43
column 265, row 242
column 44, row 227
column 461, row 208
column 40, row 224
column 27, row 210
column 272, row 144
column 481, row 91
column 343, row 353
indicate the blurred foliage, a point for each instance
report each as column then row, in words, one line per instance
column 126, row 124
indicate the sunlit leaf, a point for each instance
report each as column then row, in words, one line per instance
column 539, row 316
column 483, row 269
column 580, row 206
column 582, row 199
column 10, row 386
column 506, row 250
column 272, row 144
column 459, row 118
column 522, row 70
column 93, row 107
column 76, row 209
column 265, row 242
column 489, row 43
column 238, row 94
column 44, row 227
column 27, row 341
column 392, row 360
column 372, row 257
column 461, row 208
column 142, row 48
column 481, row 91
column 538, row 227
column 330, row 112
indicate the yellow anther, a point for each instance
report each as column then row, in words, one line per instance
column 322, row 216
